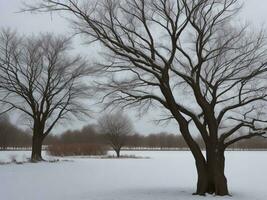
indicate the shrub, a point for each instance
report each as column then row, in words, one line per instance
column 76, row 149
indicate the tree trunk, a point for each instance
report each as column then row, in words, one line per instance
column 219, row 179
column 37, row 141
column 211, row 177
column 202, row 181
column 117, row 152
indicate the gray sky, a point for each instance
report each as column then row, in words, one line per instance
column 254, row 11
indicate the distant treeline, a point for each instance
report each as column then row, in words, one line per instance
column 163, row 140
column 13, row 137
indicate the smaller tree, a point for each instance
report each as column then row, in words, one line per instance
column 40, row 78
column 116, row 127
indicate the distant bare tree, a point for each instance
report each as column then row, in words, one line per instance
column 116, row 127
column 41, row 79
column 188, row 57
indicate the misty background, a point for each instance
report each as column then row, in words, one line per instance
column 253, row 12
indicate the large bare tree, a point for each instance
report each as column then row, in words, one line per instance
column 116, row 127
column 187, row 56
column 41, row 79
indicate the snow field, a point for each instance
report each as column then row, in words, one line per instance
column 167, row 175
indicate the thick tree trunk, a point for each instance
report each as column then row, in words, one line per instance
column 37, row 141
column 211, row 177
column 202, row 182
column 219, row 179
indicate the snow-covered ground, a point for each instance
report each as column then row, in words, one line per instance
column 165, row 176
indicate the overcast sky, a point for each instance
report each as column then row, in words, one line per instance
column 254, row 11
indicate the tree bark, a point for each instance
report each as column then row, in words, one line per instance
column 220, row 181
column 211, row 177
column 202, row 181
column 37, row 141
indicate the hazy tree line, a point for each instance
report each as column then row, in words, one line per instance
column 163, row 140
column 90, row 135
column 14, row 137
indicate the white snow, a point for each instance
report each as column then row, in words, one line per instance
column 9, row 156
column 165, row 176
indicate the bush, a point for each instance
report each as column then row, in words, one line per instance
column 76, row 149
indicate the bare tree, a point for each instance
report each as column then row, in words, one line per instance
column 42, row 80
column 188, row 57
column 116, row 127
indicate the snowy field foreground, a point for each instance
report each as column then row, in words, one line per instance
column 165, row 176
